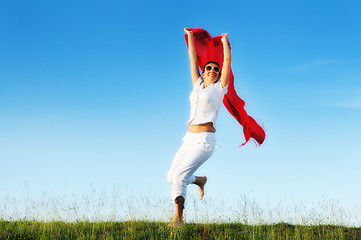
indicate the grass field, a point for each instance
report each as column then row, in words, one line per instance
column 120, row 216
column 160, row 230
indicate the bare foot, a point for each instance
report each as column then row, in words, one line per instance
column 176, row 222
column 200, row 182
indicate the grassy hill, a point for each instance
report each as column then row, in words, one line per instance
column 160, row 230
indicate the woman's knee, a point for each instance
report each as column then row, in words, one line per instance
column 179, row 179
column 176, row 178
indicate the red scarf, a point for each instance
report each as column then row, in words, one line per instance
column 211, row 49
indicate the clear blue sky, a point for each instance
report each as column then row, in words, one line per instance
column 95, row 94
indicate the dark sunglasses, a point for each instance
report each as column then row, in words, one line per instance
column 209, row 68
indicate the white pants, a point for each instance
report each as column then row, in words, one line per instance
column 195, row 150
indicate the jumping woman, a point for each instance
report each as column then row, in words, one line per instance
column 206, row 98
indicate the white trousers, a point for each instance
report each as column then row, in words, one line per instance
column 195, row 150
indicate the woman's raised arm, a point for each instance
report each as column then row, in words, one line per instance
column 226, row 69
column 192, row 56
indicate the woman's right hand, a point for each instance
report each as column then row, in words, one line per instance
column 192, row 55
column 188, row 31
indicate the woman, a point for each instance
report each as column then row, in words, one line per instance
column 199, row 141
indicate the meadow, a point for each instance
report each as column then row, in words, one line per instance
column 118, row 216
column 160, row 230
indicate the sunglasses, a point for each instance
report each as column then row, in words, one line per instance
column 209, row 68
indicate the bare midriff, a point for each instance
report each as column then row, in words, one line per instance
column 204, row 127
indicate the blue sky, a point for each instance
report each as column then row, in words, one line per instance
column 94, row 94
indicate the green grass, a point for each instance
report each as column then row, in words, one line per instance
column 119, row 215
column 160, row 230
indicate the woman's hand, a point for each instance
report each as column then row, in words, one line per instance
column 226, row 60
column 224, row 37
column 188, row 32
column 192, row 56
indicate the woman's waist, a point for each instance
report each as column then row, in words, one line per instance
column 207, row 139
column 203, row 127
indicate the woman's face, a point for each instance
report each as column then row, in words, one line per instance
column 211, row 72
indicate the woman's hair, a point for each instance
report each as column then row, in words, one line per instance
column 204, row 67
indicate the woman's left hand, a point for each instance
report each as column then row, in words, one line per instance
column 224, row 37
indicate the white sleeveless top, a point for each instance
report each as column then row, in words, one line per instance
column 205, row 102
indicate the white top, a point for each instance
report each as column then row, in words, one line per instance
column 205, row 102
